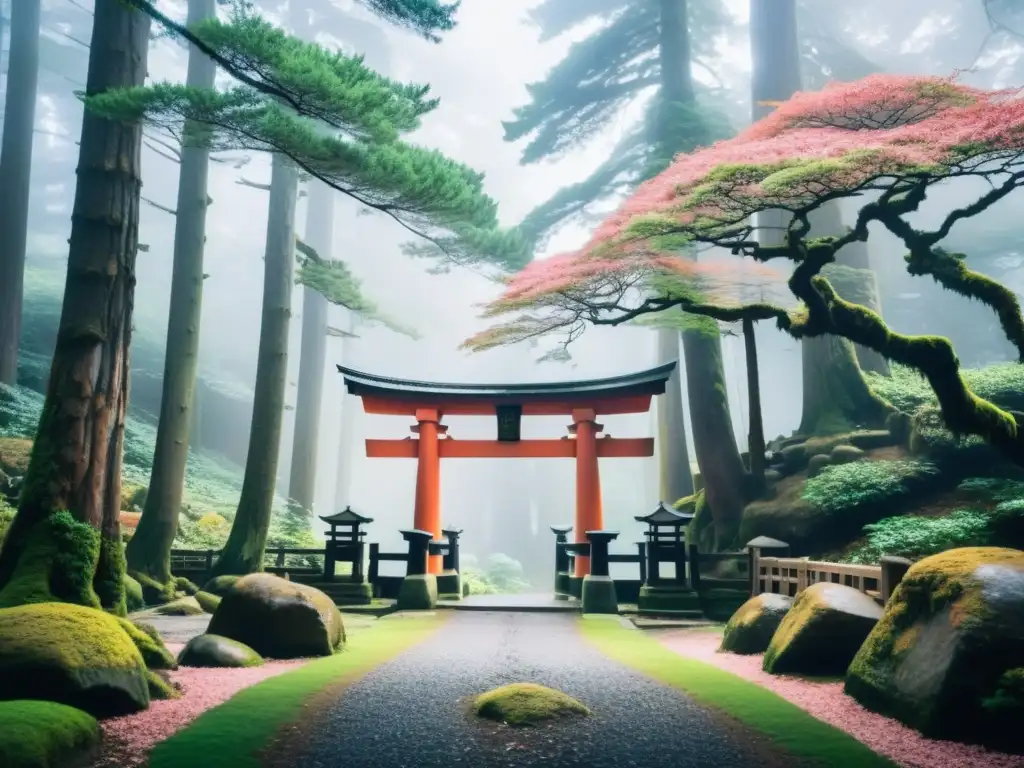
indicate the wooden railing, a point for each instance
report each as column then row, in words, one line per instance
column 185, row 561
column 792, row 575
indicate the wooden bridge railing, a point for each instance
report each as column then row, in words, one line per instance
column 185, row 561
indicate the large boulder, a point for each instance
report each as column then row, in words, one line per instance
column 751, row 628
column 822, row 632
column 77, row 656
column 947, row 657
column 279, row 619
column 43, row 734
column 217, row 651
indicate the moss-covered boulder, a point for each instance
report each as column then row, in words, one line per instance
column 947, row 657
column 133, row 594
column 822, row 632
column 153, row 592
column 845, row 454
column 183, row 606
column 817, row 463
column 44, row 734
column 220, row 585
column 207, row 601
column 150, row 644
column 73, row 655
column 181, row 584
column 216, row 651
column 521, row 704
column 279, row 619
column 750, row 629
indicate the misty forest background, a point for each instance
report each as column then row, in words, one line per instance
column 481, row 73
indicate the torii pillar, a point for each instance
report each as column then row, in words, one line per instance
column 427, row 515
column 589, row 511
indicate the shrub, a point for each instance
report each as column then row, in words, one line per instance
column 913, row 536
column 906, row 389
column 839, row 489
column 1006, row 524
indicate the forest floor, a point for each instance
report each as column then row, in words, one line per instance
column 826, row 701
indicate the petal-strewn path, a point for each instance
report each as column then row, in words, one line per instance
column 412, row 711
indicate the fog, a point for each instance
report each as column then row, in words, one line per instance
column 479, row 72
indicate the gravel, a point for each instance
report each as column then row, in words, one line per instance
column 413, row 712
column 828, row 702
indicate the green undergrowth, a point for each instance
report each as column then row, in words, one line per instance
column 907, row 390
column 233, row 734
column 44, row 734
column 787, row 726
column 839, row 489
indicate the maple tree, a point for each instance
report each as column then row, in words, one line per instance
column 884, row 139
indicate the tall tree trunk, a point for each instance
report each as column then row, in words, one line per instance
column 15, row 176
column 313, row 354
column 149, row 551
column 835, row 396
column 76, row 459
column 755, row 436
column 676, row 477
column 718, row 457
column 247, row 541
column 347, row 448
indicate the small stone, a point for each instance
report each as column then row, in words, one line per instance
column 216, row 651
column 521, row 704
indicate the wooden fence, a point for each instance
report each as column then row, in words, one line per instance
column 792, row 575
column 195, row 561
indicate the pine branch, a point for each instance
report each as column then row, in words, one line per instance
column 159, row 207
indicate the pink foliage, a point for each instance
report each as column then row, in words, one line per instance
column 846, row 137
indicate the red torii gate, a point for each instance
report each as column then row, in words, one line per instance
column 583, row 401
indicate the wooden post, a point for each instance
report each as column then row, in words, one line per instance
column 589, row 513
column 801, row 575
column 641, row 547
column 374, row 562
column 694, row 567
column 419, row 543
column 753, row 556
column 427, row 516
column 599, row 541
column 893, row 571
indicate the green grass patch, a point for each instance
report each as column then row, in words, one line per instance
column 785, row 724
column 233, row 734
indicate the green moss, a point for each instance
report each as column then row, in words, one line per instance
column 150, row 644
column 153, row 592
column 14, row 455
column 908, row 390
column 520, row 704
column 160, row 688
column 1006, row 704
column 914, row 536
column 207, row 601
column 220, row 585
column 72, row 654
column 233, row 734
column 877, row 484
column 185, row 606
column 184, row 585
column 133, row 594
column 108, row 581
column 58, row 563
column 784, row 724
column 43, row 734
column 216, row 651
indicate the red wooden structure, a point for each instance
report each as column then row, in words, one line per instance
column 583, row 401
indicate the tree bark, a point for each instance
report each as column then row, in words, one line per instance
column 76, row 459
column 755, row 436
column 15, row 176
column 313, row 354
column 718, row 457
column 247, row 541
column 835, row 397
column 149, row 551
column 676, row 477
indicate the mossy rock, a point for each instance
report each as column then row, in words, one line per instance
column 133, row 594
column 216, row 651
column 73, row 655
column 750, row 629
column 817, row 463
column 44, row 734
column 796, row 456
column 181, row 584
column 822, row 632
column 207, row 601
column 153, row 592
column 14, row 455
column 150, row 644
column 845, row 454
column 220, row 585
column 279, row 619
column 183, row 606
column 947, row 658
column 523, row 704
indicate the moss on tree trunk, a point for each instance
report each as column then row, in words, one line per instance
column 76, row 457
column 247, row 542
column 149, row 551
column 15, row 176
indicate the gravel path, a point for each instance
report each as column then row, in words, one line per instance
column 413, row 711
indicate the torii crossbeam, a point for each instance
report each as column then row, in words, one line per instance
column 583, row 401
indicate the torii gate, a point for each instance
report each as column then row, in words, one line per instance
column 583, row 401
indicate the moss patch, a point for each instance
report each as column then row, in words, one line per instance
column 520, row 704
column 220, row 585
column 785, row 725
column 133, row 594
column 14, row 455
column 233, row 734
column 150, row 645
column 184, row 606
column 42, row 734
column 207, row 601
